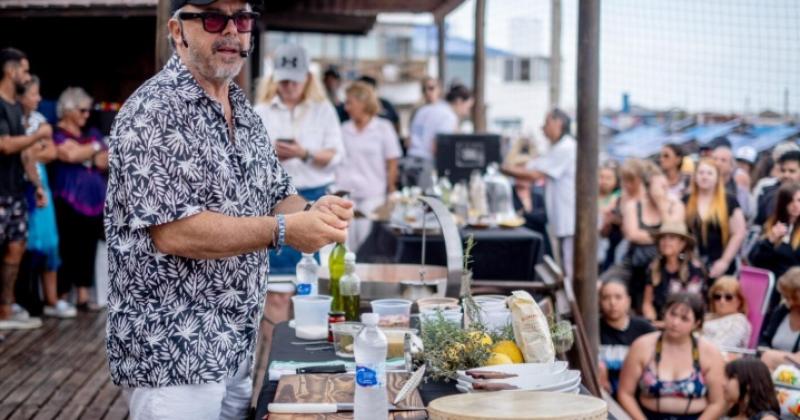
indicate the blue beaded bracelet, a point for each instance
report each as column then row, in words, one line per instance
column 281, row 219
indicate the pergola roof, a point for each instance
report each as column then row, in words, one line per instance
column 330, row 16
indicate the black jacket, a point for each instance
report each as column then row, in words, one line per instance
column 770, row 327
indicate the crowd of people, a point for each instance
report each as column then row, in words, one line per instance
column 328, row 136
column 675, row 232
column 52, row 192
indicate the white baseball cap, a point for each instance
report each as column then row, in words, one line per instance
column 747, row 154
column 290, row 62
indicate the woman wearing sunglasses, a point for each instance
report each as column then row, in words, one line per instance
column 79, row 192
column 727, row 325
column 782, row 332
column 673, row 374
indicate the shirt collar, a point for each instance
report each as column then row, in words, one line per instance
column 277, row 103
column 187, row 88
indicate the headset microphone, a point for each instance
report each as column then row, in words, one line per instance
column 246, row 53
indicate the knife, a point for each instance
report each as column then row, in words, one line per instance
column 319, row 408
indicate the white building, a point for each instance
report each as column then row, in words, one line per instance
column 400, row 53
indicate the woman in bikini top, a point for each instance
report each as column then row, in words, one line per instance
column 652, row 385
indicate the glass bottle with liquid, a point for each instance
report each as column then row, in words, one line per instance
column 350, row 288
column 336, row 267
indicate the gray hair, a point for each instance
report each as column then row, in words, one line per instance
column 71, row 99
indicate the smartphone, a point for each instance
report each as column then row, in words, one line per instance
column 286, row 140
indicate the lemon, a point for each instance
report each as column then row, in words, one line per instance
column 498, row 359
column 480, row 337
column 509, row 349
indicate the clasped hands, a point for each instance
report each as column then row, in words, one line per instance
column 326, row 222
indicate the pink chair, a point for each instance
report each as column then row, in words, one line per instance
column 757, row 285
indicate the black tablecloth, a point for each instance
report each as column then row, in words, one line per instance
column 283, row 350
column 499, row 254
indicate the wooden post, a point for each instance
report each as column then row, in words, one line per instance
column 441, row 54
column 479, row 68
column 555, row 53
column 585, row 267
column 163, row 49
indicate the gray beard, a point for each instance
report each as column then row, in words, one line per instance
column 224, row 73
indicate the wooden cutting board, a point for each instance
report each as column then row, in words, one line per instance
column 517, row 405
column 327, row 388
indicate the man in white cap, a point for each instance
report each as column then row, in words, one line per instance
column 196, row 195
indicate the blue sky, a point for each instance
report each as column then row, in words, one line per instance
column 702, row 55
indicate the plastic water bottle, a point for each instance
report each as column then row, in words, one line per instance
column 350, row 288
column 307, row 276
column 371, row 401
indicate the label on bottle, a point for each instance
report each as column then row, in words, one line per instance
column 303, row 289
column 370, row 375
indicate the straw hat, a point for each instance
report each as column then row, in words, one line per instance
column 677, row 229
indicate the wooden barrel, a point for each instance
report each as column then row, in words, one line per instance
column 507, row 405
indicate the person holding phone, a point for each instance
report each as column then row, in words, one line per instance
column 304, row 128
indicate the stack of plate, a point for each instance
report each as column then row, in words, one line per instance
column 550, row 377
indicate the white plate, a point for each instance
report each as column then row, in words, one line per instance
column 558, row 382
column 465, row 387
column 520, row 369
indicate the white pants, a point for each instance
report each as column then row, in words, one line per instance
column 229, row 399
column 360, row 228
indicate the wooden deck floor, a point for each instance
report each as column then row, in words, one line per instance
column 60, row 371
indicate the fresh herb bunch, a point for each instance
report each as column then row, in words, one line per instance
column 448, row 347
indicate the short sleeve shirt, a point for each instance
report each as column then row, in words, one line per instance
column 175, row 320
column 12, row 172
column 365, row 174
column 430, row 121
column 614, row 345
column 559, row 165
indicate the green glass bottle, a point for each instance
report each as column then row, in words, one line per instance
column 350, row 288
column 336, row 266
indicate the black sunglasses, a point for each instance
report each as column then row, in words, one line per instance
column 215, row 22
column 719, row 296
column 84, row 110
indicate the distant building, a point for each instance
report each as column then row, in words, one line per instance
column 400, row 54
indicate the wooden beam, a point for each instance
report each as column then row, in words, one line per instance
column 446, row 7
column 319, row 22
column 94, row 11
column 585, row 265
column 163, row 48
column 479, row 68
column 441, row 53
column 371, row 7
column 555, row 53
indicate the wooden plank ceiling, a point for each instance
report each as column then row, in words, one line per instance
column 327, row 16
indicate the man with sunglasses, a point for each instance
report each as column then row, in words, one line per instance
column 196, row 195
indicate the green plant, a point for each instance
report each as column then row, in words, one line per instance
column 448, row 348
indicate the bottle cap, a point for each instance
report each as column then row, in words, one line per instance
column 370, row 318
column 350, row 257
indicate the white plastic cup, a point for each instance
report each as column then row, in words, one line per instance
column 392, row 312
column 311, row 316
